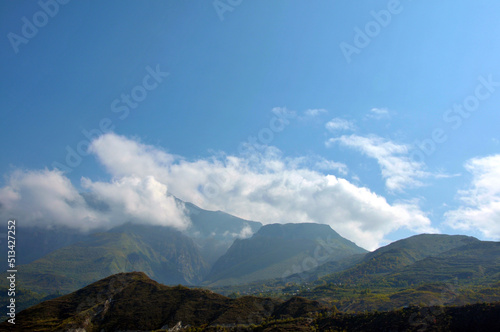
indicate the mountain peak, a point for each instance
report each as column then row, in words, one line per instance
column 276, row 250
column 308, row 231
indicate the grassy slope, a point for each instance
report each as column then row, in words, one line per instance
column 279, row 250
column 162, row 254
column 132, row 301
column 398, row 255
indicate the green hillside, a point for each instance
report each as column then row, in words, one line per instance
column 160, row 252
column 33, row 243
column 280, row 250
column 387, row 280
column 133, row 302
column 397, row 255
column 475, row 263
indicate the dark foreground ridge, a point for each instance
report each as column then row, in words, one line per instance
column 132, row 301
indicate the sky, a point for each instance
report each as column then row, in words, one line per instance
column 379, row 118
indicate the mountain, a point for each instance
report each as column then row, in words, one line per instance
column 161, row 252
column 477, row 262
column 133, row 302
column 280, row 250
column 400, row 275
column 33, row 243
column 397, row 255
column 215, row 231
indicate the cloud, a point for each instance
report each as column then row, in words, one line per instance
column 398, row 169
column 338, row 124
column 45, row 197
column 481, row 209
column 378, row 113
column 245, row 233
column 140, row 200
column 328, row 165
column 48, row 198
column 314, row 112
column 266, row 187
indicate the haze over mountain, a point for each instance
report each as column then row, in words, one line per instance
column 215, row 231
column 35, row 242
column 161, row 252
column 63, row 259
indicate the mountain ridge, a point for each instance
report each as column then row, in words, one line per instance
column 276, row 250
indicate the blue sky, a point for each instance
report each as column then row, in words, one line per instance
column 339, row 115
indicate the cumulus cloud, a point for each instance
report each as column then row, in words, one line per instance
column 48, row 198
column 45, row 197
column 481, row 209
column 338, row 124
column 140, row 200
column 267, row 188
column 398, row 169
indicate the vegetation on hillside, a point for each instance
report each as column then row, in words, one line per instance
column 132, row 301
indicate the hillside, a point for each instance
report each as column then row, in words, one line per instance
column 132, row 301
column 476, row 263
column 462, row 275
column 397, row 255
column 33, row 243
column 280, row 250
column 161, row 252
column 215, row 231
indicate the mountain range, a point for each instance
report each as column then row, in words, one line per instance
column 234, row 256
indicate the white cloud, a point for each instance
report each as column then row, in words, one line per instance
column 141, row 200
column 122, row 158
column 481, row 208
column 337, row 124
column 265, row 187
column 47, row 198
column 328, row 165
column 314, row 112
column 398, row 169
column 245, row 233
column 378, row 113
